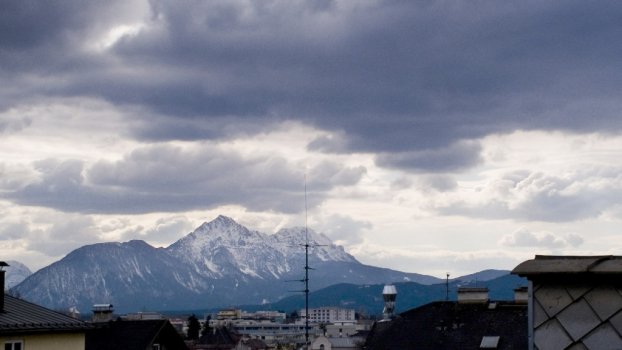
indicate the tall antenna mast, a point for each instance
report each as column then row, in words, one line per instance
column 447, row 288
column 306, row 270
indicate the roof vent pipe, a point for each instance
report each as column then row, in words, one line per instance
column 470, row 295
column 2, row 272
column 389, row 294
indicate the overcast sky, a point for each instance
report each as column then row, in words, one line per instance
column 435, row 136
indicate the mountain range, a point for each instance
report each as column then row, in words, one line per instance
column 221, row 263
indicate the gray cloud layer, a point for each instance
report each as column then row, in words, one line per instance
column 406, row 79
column 171, row 179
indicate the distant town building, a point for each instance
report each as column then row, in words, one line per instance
column 223, row 338
column 332, row 315
column 102, row 312
column 273, row 333
column 472, row 295
column 274, row 316
column 229, row 314
column 267, row 326
column 339, row 325
column 143, row 315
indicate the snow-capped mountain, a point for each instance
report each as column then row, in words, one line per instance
column 221, row 263
column 16, row 272
column 223, row 247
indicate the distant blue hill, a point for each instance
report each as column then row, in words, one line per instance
column 367, row 299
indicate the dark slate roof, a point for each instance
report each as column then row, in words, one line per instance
column 451, row 325
column 547, row 265
column 134, row 335
column 20, row 316
column 256, row 344
column 220, row 336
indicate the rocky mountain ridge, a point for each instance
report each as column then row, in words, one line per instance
column 221, row 263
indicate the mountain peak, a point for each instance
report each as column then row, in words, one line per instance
column 298, row 235
column 220, row 224
column 224, row 220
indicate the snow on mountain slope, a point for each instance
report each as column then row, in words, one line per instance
column 221, row 263
column 291, row 242
column 224, row 247
column 119, row 273
column 16, row 272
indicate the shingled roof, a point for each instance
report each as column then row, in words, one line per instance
column 547, row 265
column 134, row 335
column 451, row 325
column 20, row 316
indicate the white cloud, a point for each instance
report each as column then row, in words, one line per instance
column 168, row 230
column 37, row 236
column 553, row 178
column 525, row 238
column 437, row 262
column 344, row 230
column 13, row 124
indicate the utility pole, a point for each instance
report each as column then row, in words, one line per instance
column 306, row 271
column 447, row 288
column 307, row 268
column 307, row 293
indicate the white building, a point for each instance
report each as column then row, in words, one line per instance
column 330, row 315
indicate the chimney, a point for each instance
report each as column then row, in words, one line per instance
column 389, row 294
column 468, row 295
column 102, row 312
column 521, row 295
column 2, row 266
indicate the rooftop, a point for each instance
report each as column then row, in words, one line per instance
column 450, row 325
column 133, row 334
column 21, row 316
column 560, row 265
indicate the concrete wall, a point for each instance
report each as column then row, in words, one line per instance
column 64, row 341
column 472, row 295
column 319, row 341
column 576, row 315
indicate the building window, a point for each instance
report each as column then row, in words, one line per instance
column 155, row 347
column 14, row 345
column 489, row 342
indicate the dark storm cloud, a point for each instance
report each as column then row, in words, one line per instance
column 48, row 37
column 167, row 178
column 461, row 155
column 403, row 77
